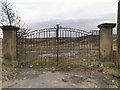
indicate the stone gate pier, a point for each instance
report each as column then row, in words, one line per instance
column 106, row 43
column 118, row 40
column 9, row 44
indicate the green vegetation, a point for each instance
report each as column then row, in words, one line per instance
column 44, row 65
column 114, row 67
column 110, row 70
column 7, row 65
column 40, row 64
column 66, row 67
column 62, row 66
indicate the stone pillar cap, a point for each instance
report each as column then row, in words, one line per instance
column 10, row 28
column 107, row 25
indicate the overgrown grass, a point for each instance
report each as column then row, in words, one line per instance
column 114, row 66
column 110, row 70
column 62, row 66
column 66, row 67
column 39, row 64
column 7, row 65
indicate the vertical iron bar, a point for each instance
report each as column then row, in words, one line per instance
column 87, row 46
column 79, row 45
column 82, row 43
column 60, row 46
column 69, row 46
column 49, row 39
column 73, row 45
column 25, row 46
column 40, row 46
column 73, row 40
column 44, row 39
column 28, row 45
column 65, row 39
column 49, row 45
column 36, row 40
column 62, row 43
column 90, row 41
column 33, row 41
column 33, row 44
column 70, row 40
column 57, row 44
column 45, row 47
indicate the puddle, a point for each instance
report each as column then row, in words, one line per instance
column 48, row 55
column 69, row 53
column 60, row 54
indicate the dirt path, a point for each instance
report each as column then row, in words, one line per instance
column 30, row 78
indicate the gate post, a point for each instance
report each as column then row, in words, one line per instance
column 106, row 40
column 9, row 45
column 118, row 41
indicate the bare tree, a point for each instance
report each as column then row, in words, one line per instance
column 9, row 17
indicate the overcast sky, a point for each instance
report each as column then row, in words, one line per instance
column 83, row 14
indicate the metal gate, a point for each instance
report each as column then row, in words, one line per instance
column 58, row 45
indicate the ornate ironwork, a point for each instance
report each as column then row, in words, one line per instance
column 53, row 46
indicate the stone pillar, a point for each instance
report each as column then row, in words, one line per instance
column 9, row 44
column 106, row 40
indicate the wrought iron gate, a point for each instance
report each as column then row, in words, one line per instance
column 53, row 46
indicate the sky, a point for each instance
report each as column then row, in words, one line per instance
column 83, row 14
